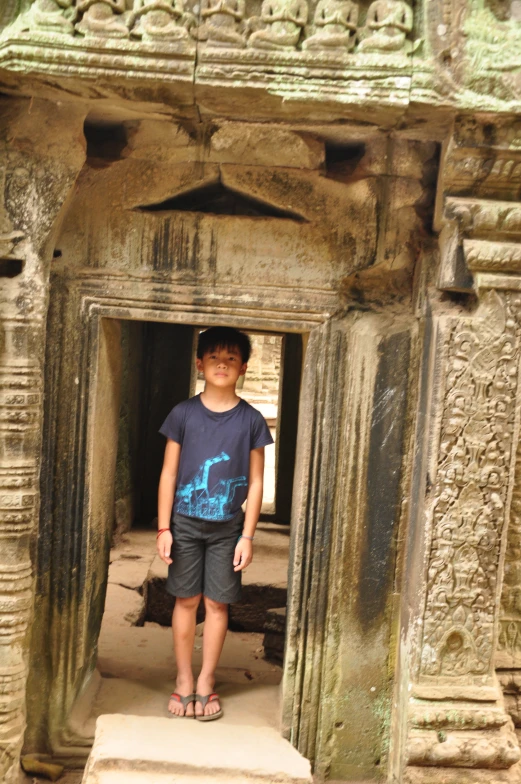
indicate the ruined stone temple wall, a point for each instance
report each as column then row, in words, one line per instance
column 42, row 151
column 290, row 257
column 276, row 166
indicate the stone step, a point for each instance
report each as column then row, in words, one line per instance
column 149, row 750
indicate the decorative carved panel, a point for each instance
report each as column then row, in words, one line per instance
column 470, row 490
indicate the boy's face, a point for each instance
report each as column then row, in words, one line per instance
column 222, row 367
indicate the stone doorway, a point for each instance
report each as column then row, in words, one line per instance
column 134, row 654
column 101, row 385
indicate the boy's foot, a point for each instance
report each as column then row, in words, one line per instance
column 182, row 701
column 205, row 691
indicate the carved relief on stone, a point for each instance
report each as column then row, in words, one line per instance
column 334, row 26
column 52, row 16
column 20, row 399
column 281, row 24
column 484, row 216
column 464, row 749
column 223, row 23
column 491, row 37
column 160, row 19
column 492, row 256
column 509, row 642
column 102, row 18
column 471, row 490
column 386, row 28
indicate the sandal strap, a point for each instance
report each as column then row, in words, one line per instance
column 183, row 700
column 206, row 698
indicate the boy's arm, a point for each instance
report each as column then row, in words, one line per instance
column 244, row 550
column 165, row 500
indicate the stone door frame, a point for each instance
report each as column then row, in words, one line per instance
column 92, row 306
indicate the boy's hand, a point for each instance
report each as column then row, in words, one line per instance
column 243, row 555
column 164, row 546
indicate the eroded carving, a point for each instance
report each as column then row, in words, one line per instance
column 102, row 18
column 454, row 716
column 281, row 24
column 52, row 16
column 223, row 23
column 480, row 216
column 471, row 490
column 492, row 256
column 334, row 26
column 386, row 28
column 464, row 749
column 160, row 19
column 509, row 641
column 20, row 391
column 489, row 37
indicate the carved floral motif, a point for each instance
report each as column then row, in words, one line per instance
column 471, row 489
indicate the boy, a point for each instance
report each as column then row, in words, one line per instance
column 214, row 461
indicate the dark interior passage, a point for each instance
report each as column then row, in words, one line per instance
column 156, row 375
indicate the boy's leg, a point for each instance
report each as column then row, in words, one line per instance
column 185, row 582
column 215, row 627
column 222, row 586
column 183, row 630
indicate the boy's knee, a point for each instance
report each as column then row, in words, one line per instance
column 215, row 607
column 188, row 603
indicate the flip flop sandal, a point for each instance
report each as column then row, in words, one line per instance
column 185, row 701
column 204, row 700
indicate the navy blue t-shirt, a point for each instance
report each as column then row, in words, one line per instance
column 212, row 480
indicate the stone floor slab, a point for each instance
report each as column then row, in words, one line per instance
column 166, row 751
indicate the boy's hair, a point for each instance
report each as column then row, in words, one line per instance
column 223, row 337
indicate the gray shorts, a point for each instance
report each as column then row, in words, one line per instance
column 202, row 558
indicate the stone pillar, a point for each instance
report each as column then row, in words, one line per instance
column 41, row 149
column 465, row 470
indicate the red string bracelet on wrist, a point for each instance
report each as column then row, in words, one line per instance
column 161, row 531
